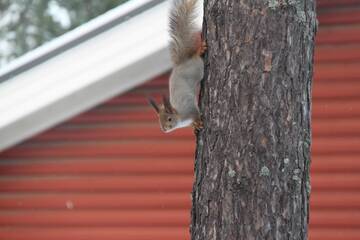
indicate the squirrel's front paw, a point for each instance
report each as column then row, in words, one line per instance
column 197, row 125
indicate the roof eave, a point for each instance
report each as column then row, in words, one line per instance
column 76, row 79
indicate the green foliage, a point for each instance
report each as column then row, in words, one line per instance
column 27, row 24
column 81, row 11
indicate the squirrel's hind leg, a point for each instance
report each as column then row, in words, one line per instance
column 200, row 45
column 201, row 49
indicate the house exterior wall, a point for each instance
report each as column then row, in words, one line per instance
column 110, row 173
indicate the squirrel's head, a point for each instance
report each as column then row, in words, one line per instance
column 168, row 117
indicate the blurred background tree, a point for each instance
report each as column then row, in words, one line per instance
column 27, row 24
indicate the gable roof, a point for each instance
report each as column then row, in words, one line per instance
column 100, row 59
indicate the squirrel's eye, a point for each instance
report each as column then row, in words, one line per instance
column 169, row 119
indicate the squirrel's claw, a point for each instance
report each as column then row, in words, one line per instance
column 197, row 125
column 202, row 49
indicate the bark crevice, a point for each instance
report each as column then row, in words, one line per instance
column 253, row 155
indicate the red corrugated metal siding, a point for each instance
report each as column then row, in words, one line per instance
column 336, row 123
column 111, row 174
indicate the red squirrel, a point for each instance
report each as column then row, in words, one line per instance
column 186, row 49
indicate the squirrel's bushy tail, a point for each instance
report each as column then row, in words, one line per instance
column 183, row 30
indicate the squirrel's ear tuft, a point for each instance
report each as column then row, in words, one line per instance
column 167, row 104
column 153, row 104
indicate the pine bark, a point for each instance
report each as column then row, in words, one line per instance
column 253, row 155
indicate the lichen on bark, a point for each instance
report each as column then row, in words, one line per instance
column 253, row 155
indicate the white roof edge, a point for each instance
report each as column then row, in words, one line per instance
column 84, row 31
column 67, row 107
column 84, row 75
column 77, row 78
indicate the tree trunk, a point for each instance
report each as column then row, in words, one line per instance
column 253, row 155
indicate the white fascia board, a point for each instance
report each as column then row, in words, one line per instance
column 85, row 75
column 79, row 32
column 78, row 78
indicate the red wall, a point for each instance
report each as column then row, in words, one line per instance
column 111, row 174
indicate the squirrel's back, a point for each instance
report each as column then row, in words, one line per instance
column 183, row 30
